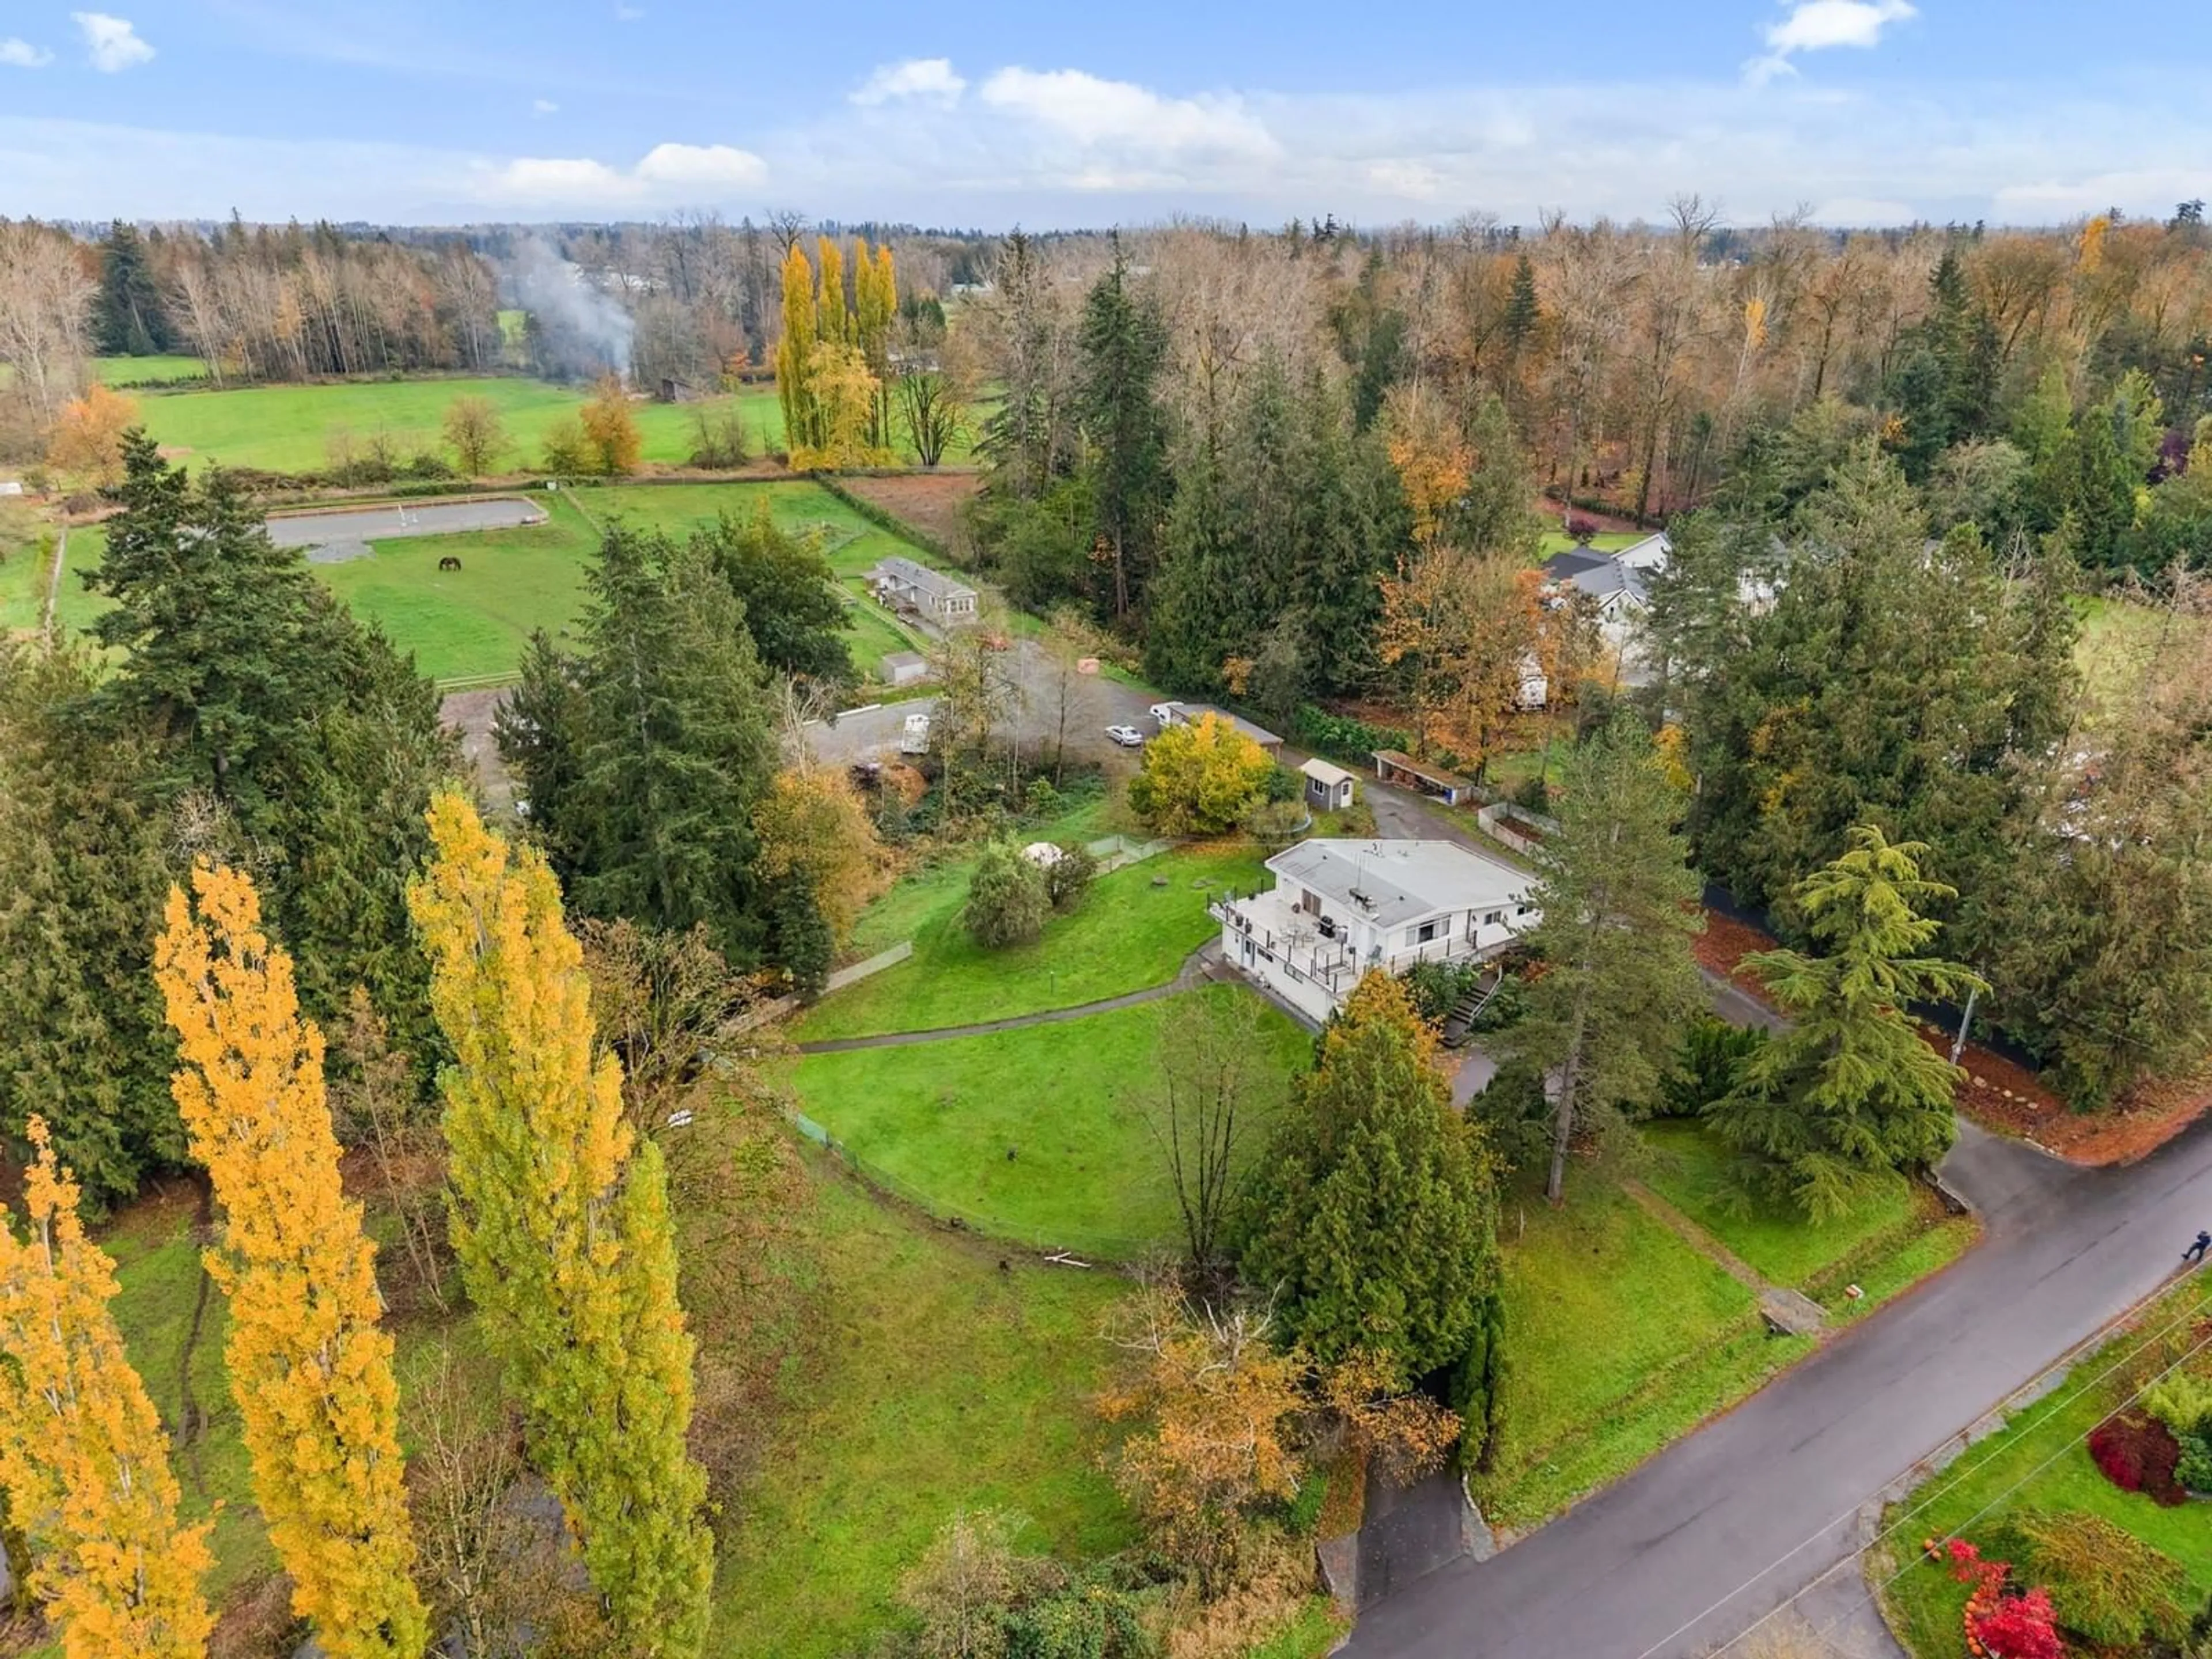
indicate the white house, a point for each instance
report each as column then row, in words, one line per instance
column 903, row 585
column 1339, row 908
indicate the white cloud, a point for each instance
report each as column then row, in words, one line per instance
column 113, row 43
column 668, row 172
column 1823, row 25
column 917, row 77
column 701, row 166
column 1127, row 120
column 629, row 14
column 21, row 54
column 544, row 107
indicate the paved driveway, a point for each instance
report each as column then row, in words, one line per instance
column 1699, row 1544
column 1095, row 703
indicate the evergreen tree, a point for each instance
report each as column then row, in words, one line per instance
column 83, row 1461
column 793, row 613
column 561, row 1226
column 310, row 1370
column 317, row 741
column 1619, row 904
column 649, row 751
column 83, row 868
column 1521, row 312
column 1850, row 1089
column 129, row 319
column 1124, row 346
column 1888, row 681
column 1371, row 1216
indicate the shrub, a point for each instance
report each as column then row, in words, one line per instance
column 2106, row 1584
column 1198, row 779
column 1007, row 898
column 1436, row 987
column 1342, row 738
column 1584, row 530
column 718, row 440
column 1534, row 795
column 2139, row 1453
column 2017, row 1627
column 567, row 450
column 2181, row 1400
column 1705, row 1070
column 1275, row 823
column 1068, row 877
column 2194, row 1468
column 1282, row 785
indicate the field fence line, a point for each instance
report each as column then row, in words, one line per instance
column 446, row 686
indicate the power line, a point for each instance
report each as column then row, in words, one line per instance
column 1821, row 1532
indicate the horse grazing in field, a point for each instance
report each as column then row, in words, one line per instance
column 449, row 563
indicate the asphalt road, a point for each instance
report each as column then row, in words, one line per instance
column 1703, row 1542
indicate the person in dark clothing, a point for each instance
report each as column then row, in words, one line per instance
column 2196, row 1252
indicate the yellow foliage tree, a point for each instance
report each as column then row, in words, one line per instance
column 832, row 322
column 562, row 1227
column 82, row 1458
column 812, row 825
column 609, row 429
column 310, row 1369
column 1433, row 460
column 794, row 355
column 1199, row 777
column 1464, row 628
column 88, row 436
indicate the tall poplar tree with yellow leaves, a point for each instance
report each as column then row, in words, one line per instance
column 310, row 1369
column 833, row 320
column 82, row 1457
column 794, row 355
column 561, row 1226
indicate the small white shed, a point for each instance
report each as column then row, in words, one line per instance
column 1329, row 788
column 905, row 668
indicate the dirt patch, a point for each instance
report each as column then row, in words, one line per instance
column 470, row 714
column 2003, row 1096
column 934, row 503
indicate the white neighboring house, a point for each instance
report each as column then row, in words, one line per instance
column 1339, row 908
column 902, row 584
column 1619, row 585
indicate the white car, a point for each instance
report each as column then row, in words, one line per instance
column 1127, row 736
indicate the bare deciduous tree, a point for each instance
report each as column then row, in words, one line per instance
column 1214, row 1091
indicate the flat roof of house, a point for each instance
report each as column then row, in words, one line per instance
column 1394, row 883
column 905, row 660
column 1397, row 760
column 1322, row 772
column 921, row 576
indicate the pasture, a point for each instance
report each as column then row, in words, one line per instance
column 290, row 429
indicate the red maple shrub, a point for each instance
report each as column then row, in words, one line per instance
column 2140, row 1454
column 2018, row 1627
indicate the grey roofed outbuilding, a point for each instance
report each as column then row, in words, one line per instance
column 1189, row 713
column 908, row 574
column 1392, row 883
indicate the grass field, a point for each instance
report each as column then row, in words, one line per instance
column 23, row 585
column 288, row 428
column 1037, row 1134
column 947, row 1384
column 1609, row 541
column 148, row 371
column 1127, row 933
column 1895, row 1237
column 2039, row 1460
column 1622, row 1338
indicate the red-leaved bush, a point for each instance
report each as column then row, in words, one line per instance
column 2019, row 1627
column 2140, row 1454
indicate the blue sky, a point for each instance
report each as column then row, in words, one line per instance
column 1070, row 114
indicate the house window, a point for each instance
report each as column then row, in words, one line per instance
column 1427, row 931
column 1524, row 910
column 1494, row 919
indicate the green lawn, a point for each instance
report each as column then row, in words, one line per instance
column 1037, row 1133
column 945, row 1383
column 148, row 371
column 474, row 621
column 1608, row 541
column 1620, row 1337
column 854, row 543
column 2039, row 1460
column 23, row 584
column 288, row 429
column 1132, row 929
column 158, row 1267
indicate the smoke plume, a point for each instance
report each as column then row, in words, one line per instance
column 580, row 330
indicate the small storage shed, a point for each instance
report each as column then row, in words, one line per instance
column 1329, row 788
column 905, row 668
column 1392, row 766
